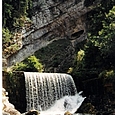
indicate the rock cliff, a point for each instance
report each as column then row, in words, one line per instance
column 52, row 20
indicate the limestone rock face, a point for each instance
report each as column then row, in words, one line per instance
column 7, row 107
column 52, row 20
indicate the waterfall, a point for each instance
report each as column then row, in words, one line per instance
column 44, row 89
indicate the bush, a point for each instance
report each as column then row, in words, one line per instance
column 29, row 64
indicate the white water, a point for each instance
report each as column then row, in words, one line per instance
column 67, row 103
column 51, row 93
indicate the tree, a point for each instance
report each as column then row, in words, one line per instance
column 14, row 10
column 100, row 45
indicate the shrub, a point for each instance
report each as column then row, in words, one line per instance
column 29, row 64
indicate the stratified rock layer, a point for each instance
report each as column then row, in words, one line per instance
column 62, row 19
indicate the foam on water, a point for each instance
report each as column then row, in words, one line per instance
column 67, row 103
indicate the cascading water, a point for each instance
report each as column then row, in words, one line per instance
column 49, row 92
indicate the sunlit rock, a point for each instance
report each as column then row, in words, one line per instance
column 7, row 107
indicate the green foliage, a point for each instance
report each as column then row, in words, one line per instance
column 107, row 33
column 98, row 15
column 19, row 22
column 15, row 14
column 79, row 60
column 33, row 63
column 107, row 76
column 29, row 64
column 99, row 50
column 6, row 35
column 14, row 10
